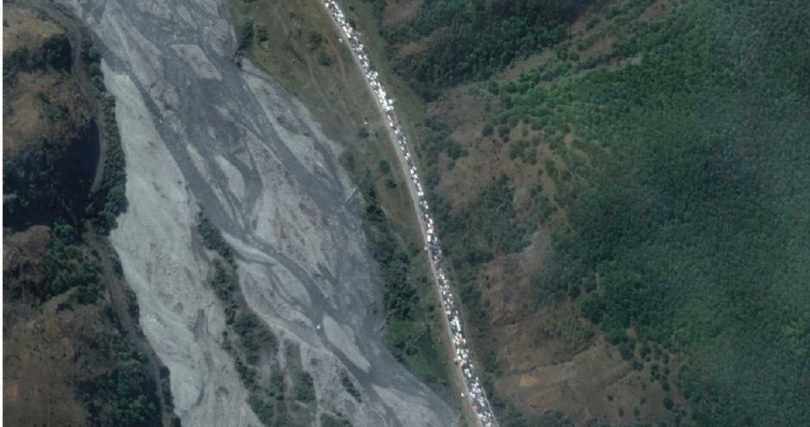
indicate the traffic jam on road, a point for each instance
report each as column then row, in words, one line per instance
column 462, row 353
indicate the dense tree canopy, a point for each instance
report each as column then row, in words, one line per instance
column 466, row 40
column 697, row 223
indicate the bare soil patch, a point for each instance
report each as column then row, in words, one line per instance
column 43, row 363
column 399, row 11
column 22, row 255
column 24, row 28
column 657, row 10
column 31, row 109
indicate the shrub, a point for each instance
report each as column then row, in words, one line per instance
column 315, row 40
column 329, row 420
column 591, row 22
column 324, row 59
column 264, row 35
column 304, row 387
column 212, row 238
column 384, row 166
column 592, row 308
column 264, row 410
column 245, row 37
column 625, row 351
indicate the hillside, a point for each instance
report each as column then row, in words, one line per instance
column 622, row 189
column 73, row 352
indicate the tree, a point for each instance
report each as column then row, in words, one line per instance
column 245, row 38
column 324, row 59
column 668, row 403
column 625, row 351
column 315, row 40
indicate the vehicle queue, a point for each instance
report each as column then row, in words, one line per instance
column 432, row 246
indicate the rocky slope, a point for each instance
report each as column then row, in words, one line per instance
column 202, row 134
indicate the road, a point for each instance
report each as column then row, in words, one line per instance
column 476, row 407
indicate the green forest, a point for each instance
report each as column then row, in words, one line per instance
column 697, row 220
column 470, row 40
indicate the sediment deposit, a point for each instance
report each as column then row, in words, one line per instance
column 200, row 132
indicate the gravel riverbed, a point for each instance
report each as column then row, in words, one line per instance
column 199, row 131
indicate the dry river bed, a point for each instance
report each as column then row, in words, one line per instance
column 201, row 133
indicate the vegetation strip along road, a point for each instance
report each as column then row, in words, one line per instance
column 475, row 401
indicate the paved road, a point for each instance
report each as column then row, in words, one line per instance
column 476, row 406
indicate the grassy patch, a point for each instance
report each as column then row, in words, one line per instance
column 408, row 296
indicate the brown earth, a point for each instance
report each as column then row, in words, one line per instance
column 26, row 114
column 30, row 102
column 553, row 359
column 25, row 28
column 46, row 348
column 593, row 385
column 22, row 254
column 550, row 359
column 54, row 349
column 399, row 11
column 40, row 370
